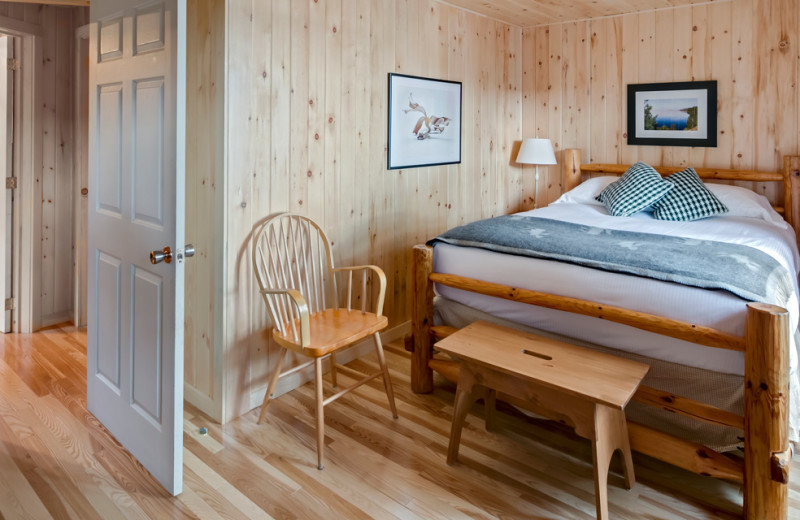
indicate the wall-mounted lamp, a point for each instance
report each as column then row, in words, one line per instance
column 536, row 151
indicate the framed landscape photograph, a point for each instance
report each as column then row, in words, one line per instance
column 673, row 114
column 424, row 122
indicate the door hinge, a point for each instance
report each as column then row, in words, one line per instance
column 11, row 183
column 10, row 304
column 13, row 64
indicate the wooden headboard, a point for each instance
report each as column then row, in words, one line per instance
column 573, row 170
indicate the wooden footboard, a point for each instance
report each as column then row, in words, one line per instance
column 766, row 344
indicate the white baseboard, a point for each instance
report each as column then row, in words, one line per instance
column 359, row 349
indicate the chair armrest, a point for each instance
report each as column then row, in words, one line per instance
column 302, row 311
column 381, row 282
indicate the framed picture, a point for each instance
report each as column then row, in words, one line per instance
column 673, row 114
column 424, row 122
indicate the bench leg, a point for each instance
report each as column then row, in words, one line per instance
column 466, row 395
column 610, row 434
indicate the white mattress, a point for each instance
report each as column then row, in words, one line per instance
column 714, row 308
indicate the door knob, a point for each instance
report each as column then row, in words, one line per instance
column 164, row 255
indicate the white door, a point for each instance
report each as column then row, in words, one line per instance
column 6, row 170
column 136, row 205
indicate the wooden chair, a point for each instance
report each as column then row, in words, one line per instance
column 311, row 306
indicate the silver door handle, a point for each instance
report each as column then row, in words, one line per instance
column 187, row 251
column 163, row 255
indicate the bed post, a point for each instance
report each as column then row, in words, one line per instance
column 791, row 191
column 766, row 446
column 421, row 320
column 571, row 171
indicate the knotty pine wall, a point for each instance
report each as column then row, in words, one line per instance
column 55, row 78
column 205, row 130
column 575, row 77
column 306, row 132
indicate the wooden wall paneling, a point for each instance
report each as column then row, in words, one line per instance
column 555, row 99
column 682, row 57
column 597, row 79
column 488, row 113
column 496, row 187
column 315, row 143
column 785, row 36
column 193, row 170
column 542, row 99
column 63, row 250
column 362, row 85
column 205, row 91
column 743, row 68
column 332, row 121
column 439, row 65
column 700, row 61
column 350, row 98
column 769, row 75
column 326, row 113
column 629, row 154
column 664, row 64
column 569, row 69
column 613, row 93
column 381, row 200
column 475, row 77
column 582, row 96
column 299, row 106
column 47, row 175
column 278, row 170
column 719, row 66
column 262, row 25
column 647, row 72
column 459, row 185
column 18, row 12
column 529, row 69
column 238, row 272
column 513, row 123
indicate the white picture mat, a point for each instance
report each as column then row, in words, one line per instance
column 438, row 98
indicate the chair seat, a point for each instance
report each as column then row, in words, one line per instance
column 333, row 329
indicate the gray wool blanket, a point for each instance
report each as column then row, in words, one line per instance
column 744, row 271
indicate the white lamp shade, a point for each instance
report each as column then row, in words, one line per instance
column 536, row 151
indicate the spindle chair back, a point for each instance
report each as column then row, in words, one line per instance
column 310, row 306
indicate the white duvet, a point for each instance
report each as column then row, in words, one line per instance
column 714, row 308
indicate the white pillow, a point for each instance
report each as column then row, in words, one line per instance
column 586, row 192
column 742, row 202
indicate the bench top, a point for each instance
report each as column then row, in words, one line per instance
column 578, row 371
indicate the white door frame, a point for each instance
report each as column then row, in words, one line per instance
column 26, row 249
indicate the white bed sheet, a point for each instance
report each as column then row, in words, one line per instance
column 714, row 308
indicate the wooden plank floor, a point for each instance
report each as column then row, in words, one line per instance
column 56, row 461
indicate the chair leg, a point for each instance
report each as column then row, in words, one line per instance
column 387, row 382
column 273, row 382
column 320, row 412
column 333, row 369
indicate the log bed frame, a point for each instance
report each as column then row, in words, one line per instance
column 767, row 454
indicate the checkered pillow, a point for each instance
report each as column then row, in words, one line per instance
column 688, row 200
column 638, row 188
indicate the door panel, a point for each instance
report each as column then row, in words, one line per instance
column 136, row 151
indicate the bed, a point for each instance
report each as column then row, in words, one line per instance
column 721, row 366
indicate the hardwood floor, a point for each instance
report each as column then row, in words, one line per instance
column 57, row 461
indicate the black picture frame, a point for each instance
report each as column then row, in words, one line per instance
column 671, row 101
column 424, row 122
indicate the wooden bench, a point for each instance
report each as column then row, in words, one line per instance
column 584, row 388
